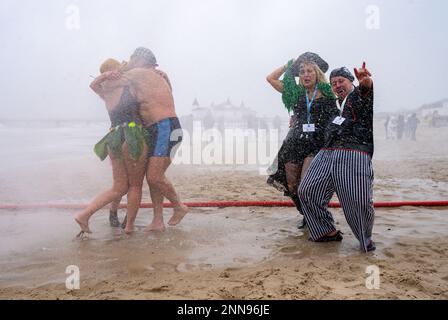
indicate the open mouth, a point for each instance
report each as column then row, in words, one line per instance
column 340, row 92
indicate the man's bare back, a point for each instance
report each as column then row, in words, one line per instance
column 153, row 91
column 163, row 131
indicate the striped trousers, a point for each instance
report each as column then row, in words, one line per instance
column 350, row 175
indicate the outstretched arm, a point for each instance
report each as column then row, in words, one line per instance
column 274, row 77
column 97, row 84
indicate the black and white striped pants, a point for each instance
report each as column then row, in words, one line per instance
column 349, row 174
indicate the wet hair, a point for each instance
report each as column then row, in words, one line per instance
column 146, row 55
column 110, row 65
column 342, row 72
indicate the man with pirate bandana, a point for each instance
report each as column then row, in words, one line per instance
column 344, row 164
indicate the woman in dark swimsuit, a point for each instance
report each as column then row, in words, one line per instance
column 124, row 144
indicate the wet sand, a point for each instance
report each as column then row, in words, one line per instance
column 232, row 253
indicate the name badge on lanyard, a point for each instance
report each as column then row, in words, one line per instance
column 340, row 119
column 309, row 127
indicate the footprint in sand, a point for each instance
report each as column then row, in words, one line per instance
column 439, row 251
column 230, row 269
column 408, row 255
column 292, row 249
column 185, row 267
column 389, row 254
column 165, row 266
column 205, row 266
column 158, row 289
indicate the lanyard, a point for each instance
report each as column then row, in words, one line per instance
column 309, row 104
column 341, row 107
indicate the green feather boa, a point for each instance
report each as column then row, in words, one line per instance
column 293, row 92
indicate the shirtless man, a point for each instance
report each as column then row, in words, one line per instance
column 163, row 131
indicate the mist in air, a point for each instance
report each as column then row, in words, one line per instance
column 215, row 50
column 219, row 53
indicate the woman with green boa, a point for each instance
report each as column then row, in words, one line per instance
column 313, row 105
column 124, row 144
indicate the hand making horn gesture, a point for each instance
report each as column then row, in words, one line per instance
column 363, row 75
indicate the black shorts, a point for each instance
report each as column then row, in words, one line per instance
column 163, row 138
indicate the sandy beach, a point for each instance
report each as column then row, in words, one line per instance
column 235, row 75
column 229, row 253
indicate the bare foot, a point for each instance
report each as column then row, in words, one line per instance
column 129, row 229
column 84, row 225
column 155, row 226
column 179, row 214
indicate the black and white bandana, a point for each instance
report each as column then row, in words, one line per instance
column 342, row 72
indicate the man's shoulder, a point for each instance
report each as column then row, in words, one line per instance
column 364, row 90
column 144, row 72
column 136, row 72
column 161, row 72
column 362, row 93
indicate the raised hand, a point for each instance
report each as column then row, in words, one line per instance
column 364, row 76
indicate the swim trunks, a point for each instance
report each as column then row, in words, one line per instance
column 164, row 137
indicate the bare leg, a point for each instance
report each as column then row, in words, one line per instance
column 113, row 213
column 305, row 166
column 157, row 223
column 158, row 182
column 115, row 204
column 119, row 188
column 136, row 173
column 293, row 171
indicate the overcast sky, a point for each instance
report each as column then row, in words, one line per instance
column 216, row 49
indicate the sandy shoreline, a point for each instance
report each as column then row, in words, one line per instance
column 232, row 253
column 251, row 253
column 281, row 278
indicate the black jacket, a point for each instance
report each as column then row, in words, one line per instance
column 323, row 111
column 356, row 132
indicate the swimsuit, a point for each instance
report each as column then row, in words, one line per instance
column 163, row 137
column 126, row 126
